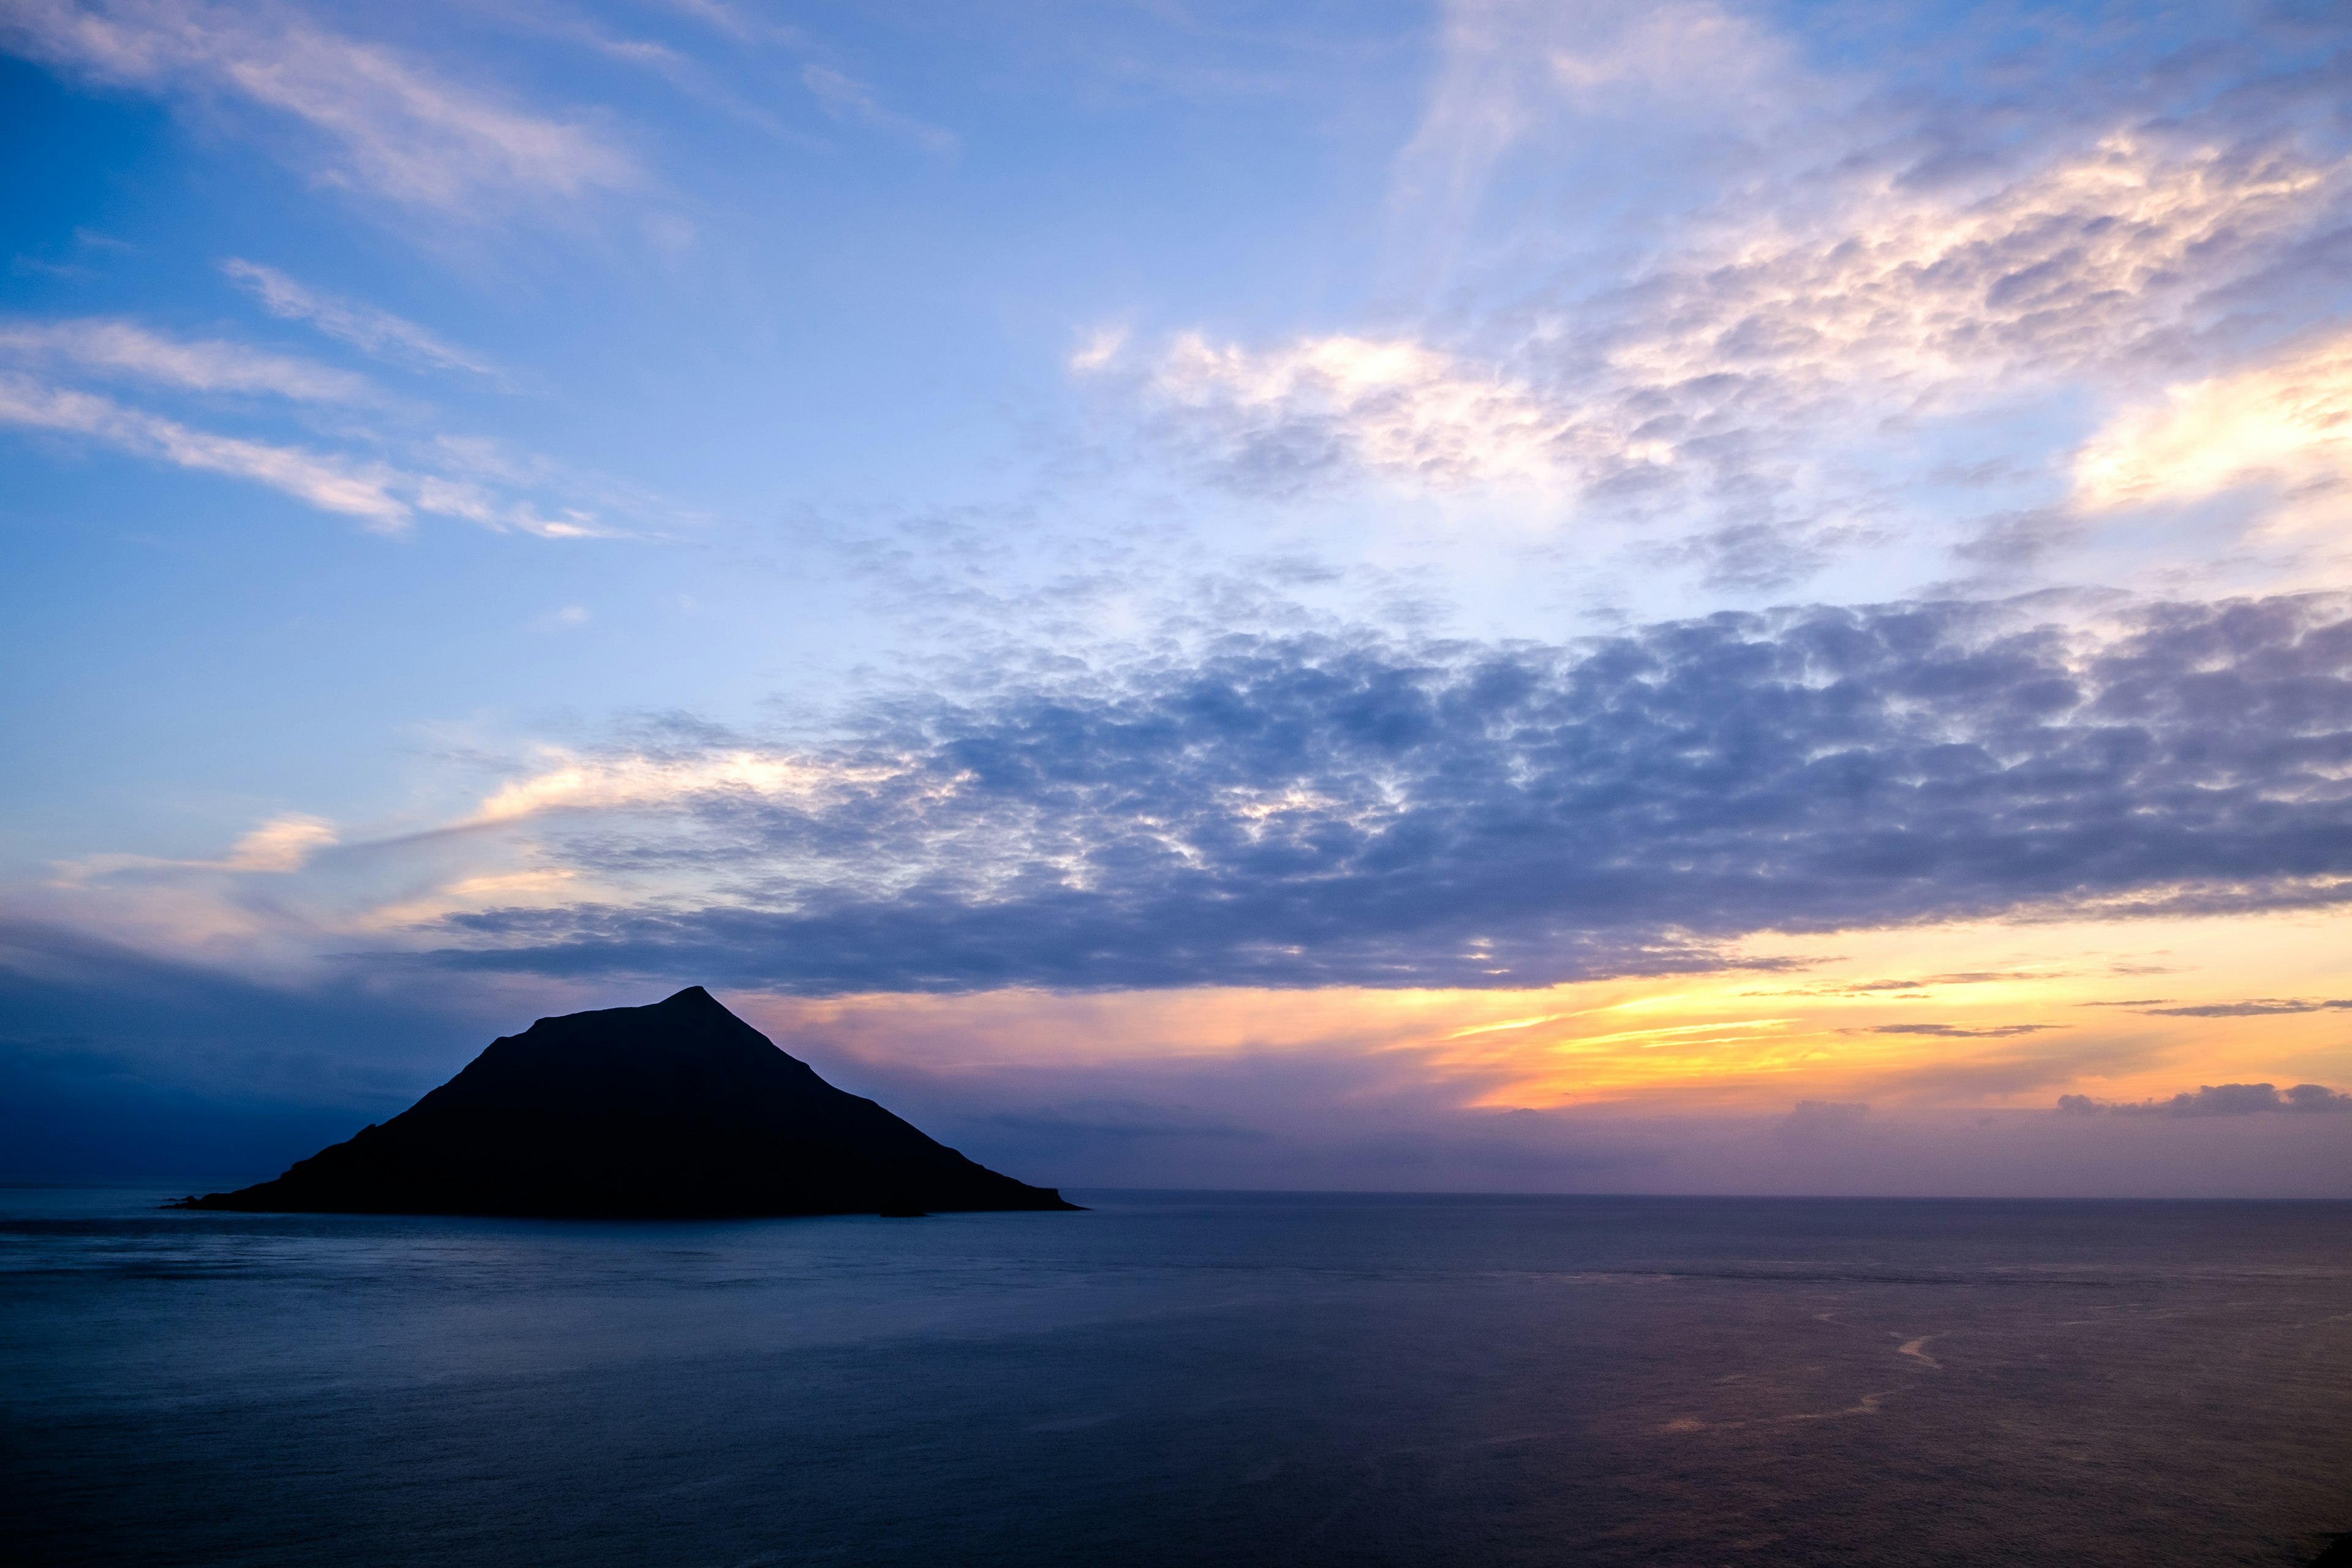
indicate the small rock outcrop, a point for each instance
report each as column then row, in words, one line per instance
column 675, row 1111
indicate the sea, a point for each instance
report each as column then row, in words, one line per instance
column 1213, row 1378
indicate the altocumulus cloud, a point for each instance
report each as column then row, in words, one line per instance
column 1313, row 811
column 2012, row 314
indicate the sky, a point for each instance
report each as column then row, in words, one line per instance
column 1479, row 595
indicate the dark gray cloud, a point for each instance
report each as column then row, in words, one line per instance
column 1315, row 811
column 2251, row 1009
column 2214, row 1099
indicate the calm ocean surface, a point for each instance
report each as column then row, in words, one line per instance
column 1182, row 1379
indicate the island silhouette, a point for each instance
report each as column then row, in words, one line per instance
column 680, row 1109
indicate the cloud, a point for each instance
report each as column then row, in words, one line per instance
column 395, row 129
column 365, row 328
column 1769, row 356
column 1958, row 1031
column 1279, row 421
column 853, row 102
column 1693, row 54
column 2215, row 1099
column 2285, row 426
column 1308, row 812
column 567, row 782
column 448, row 476
column 385, row 497
column 1756, row 308
column 1511, row 66
column 283, row 844
column 2251, row 1009
column 734, row 24
column 1920, row 984
column 116, row 349
column 318, row 480
column 2059, row 271
column 278, row 846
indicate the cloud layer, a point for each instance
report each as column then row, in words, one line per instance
column 2216, row 1100
column 1336, row 811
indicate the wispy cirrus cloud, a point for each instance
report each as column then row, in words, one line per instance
column 372, row 331
column 378, row 120
column 1510, row 66
column 365, row 490
column 124, row 350
column 50, row 371
column 279, row 846
column 385, row 496
column 735, row 23
column 853, row 102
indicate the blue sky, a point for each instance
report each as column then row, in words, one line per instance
column 1168, row 570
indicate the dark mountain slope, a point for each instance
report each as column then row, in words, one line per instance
column 675, row 1110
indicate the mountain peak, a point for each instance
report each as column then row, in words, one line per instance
column 678, row 1109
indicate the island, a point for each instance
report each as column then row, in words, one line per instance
column 678, row 1110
